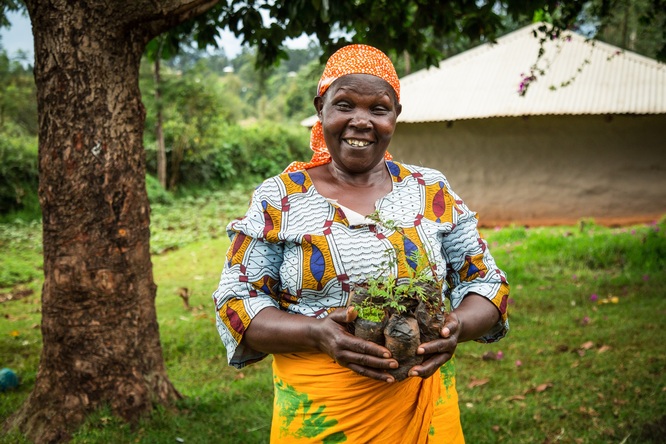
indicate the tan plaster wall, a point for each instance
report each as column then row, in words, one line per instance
column 547, row 170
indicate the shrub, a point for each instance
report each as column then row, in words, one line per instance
column 270, row 148
column 228, row 154
column 157, row 194
column 19, row 175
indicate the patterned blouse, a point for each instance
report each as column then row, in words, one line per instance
column 296, row 250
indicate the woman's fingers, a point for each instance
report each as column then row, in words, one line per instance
column 451, row 326
column 363, row 357
column 437, row 346
column 343, row 315
column 428, row 367
column 349, row 357
column 370, row 372
column 439, row 351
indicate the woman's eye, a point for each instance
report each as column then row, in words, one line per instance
column 343, row 105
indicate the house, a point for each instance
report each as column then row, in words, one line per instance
column 586, row 140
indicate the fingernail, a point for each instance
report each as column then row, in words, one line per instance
column 394, row 364
column 390, row 380
column 413, row 373
column 387, row 355
column 420, row 351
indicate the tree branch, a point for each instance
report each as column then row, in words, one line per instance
column 166, row 15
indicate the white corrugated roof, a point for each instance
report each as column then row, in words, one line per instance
column 484, row 81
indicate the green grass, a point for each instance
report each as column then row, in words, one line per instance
column 586, row 314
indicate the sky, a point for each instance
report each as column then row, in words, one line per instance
column 19, row 37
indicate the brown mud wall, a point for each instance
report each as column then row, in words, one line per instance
column 547, row 170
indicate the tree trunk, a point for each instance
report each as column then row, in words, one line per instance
column 177, row 156
column 100, row 334
column 159, row 133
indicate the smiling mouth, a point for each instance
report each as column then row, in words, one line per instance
column 357, row 143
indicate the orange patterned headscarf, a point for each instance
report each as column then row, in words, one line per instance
column 351, row 59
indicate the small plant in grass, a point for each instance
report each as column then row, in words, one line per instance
column 400, row 313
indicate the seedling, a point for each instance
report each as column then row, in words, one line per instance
column 400, row 313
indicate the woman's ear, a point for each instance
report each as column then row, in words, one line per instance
column 319, row 105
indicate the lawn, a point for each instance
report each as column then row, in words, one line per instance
column 582, row 362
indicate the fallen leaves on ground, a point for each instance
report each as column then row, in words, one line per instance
column 536, row 389
column 16, row 294
column 543, row 387
column 477, row 382
column 589, row 345
column 588, row 411
column 603, row 348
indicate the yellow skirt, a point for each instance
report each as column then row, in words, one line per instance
column 318, row 401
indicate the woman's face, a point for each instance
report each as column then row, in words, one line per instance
column 358, row 113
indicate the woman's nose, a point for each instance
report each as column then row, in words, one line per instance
column 360, row 119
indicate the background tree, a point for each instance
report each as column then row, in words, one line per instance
column 636, row 25
column 18, row 136
column 100, row 334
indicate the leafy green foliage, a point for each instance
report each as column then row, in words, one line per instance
column 18, row 140
column 423, row 29
column 156, row 194
column 18, row 102
column 228, row 154
column 398, row 27
column 211, row 130
column 636, row 25
column 18, row 174
column 388, row 294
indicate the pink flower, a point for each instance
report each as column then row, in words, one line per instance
column 525, row 83
column 500, row 355
column 519, row 363
column 594, row 297
column 646, row 277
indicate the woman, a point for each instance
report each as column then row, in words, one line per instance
column 304, row 242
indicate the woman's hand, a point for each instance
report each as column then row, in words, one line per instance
column 475, row 316
column 439, row 350
column 275, row 331
column 363, row 357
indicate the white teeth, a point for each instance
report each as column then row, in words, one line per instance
column 359, row 143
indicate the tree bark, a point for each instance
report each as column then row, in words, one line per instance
column 100, row 333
